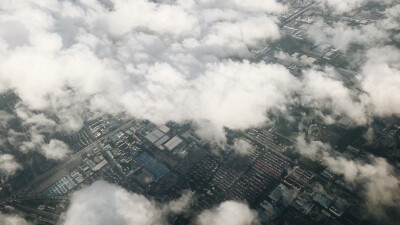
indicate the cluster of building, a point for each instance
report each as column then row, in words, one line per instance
column 267, row 139
column 92, row 164
column 161, row 161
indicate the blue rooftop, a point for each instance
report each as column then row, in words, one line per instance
column 148, row 162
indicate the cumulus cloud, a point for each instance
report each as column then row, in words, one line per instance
column 181, row 204
column 156, row 60
column 268, row 6
column 115, row 206
column 164, row 60
column 341, row 35
column 343, row 6
column 172, row 60
column 8, row 164
column 55, row 149
column 229, row 212
column 391, row 20
column 5, row 117
column 322, row 90
column 118, row 206
column 303, row 60
column 33, row 139
column 380, row 79
column 376, row 85
column 378, row 179
column 369, row 135
column 312, row 149
column 242, row 146
column 375, row 90
column 10, row 219
column 178, row 60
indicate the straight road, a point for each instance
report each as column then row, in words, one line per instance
column 294, row 16
column 57, row 172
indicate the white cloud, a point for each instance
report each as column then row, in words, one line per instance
column 323, row 90
column 229, row 212
column 5, row 117
column 115, row 206
column 9, row 219
column 172, row 60
column 55, row 149
column 242, row 146
column 380, row 79
column 265, row 6
column 160, row 61
column 270, row 6
column 8, row 164
column 181, row 204
column 128, row 16
column 379, row 181
column 343, row 6
column 391, row 21
column 102, row 203
column 303, row 60
column 341, row 35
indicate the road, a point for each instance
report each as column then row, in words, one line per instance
column 62, row 169
column 33, row 198
column 294, row 16
column 35, row 217
column 260, row 54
